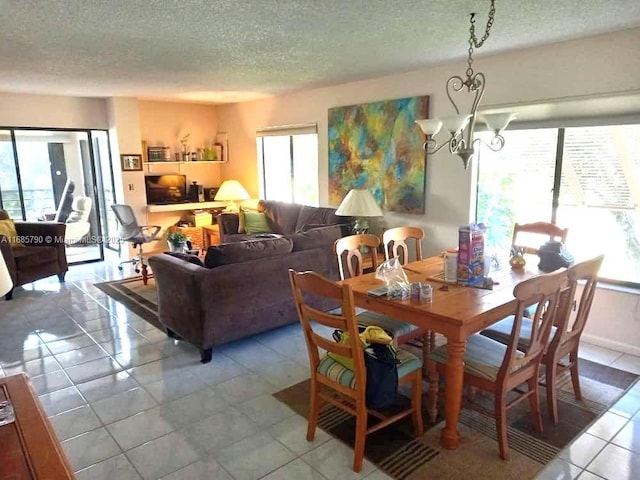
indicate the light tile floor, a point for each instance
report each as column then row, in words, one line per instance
column 129, row 403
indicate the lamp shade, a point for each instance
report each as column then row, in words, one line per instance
column 231, row 191
column 455, row 123
column 359, row 203
column 6, row 284
column 498, row 121
column 430, row 126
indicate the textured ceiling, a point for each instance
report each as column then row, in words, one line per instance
column 233, row 50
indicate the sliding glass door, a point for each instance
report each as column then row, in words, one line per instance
column 62, row 175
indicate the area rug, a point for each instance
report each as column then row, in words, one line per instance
column 137, row 297
column 395, row 451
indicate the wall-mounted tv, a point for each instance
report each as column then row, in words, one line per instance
column 164, row 189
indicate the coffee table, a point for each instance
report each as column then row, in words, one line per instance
column 29, row 448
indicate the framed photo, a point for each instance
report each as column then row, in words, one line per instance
column 131, row 162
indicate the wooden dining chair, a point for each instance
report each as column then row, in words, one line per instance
column 349, row 252
column 331, row 381
column 499, row 369
column 395, row 246
column 350, row 260
column 540, row 229
column 395, row 243
column 562, row 351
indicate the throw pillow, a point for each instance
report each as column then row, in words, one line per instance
column 187, row 258
column 256, row 222
column 8, row 229
column 241, row 226
column 214, row 257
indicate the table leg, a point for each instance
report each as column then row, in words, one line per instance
column 454, row 375
column 145, row 273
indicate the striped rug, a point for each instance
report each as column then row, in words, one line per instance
column 137, row 297
column 395, row 451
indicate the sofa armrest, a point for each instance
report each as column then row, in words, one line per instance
column 228, row 223
column 179, row 301
column 41, row 234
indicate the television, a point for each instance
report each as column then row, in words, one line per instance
column 165, row 189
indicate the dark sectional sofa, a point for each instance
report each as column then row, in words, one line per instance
column 246, row 290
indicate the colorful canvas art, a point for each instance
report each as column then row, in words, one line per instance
column 378, row 146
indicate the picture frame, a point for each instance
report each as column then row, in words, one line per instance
column 131, row 162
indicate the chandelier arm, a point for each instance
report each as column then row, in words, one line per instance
column 430, row 146
column 496, row 144
column 455, row 84
column 455, row 144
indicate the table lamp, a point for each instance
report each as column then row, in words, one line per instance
column 359, row 203
column 6, row 284
column 231, row 191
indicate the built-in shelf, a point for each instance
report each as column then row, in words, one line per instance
column 176, row 207
column 194, row 162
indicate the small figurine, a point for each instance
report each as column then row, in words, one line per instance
column 517, row 260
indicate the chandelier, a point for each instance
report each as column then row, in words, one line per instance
column 461, row 126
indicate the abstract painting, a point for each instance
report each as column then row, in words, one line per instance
column 379, row 147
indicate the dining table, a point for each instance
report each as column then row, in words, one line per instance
column 455, row 311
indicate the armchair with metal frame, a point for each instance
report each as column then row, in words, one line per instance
column 130, row 231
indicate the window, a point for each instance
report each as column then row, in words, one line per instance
column 583, row 178
column 288, row 164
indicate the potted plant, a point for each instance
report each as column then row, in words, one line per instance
column 177, row 241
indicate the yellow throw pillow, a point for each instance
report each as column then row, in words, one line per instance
column 256, row 222
column 241, row 226
column 8, row 229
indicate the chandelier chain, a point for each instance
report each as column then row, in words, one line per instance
column 473, row 40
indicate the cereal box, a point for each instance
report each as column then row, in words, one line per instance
column 471, row 254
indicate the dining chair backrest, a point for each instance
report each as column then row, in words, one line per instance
column 349, row 252
column 395, row 243
column 542, row 291
column 569, row 331
column 311, row 284
column 540, row 230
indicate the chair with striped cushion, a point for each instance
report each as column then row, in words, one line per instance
column 500, row 369
column 331, row 381
column 351, row 263
column 562, row 352
column 395, row 245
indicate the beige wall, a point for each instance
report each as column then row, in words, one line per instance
column 605, row 67
column 21, row 110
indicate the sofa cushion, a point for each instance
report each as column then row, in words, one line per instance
column 214, row 257
column 282, row 216
column 187, row 257
column 252, row 250
column 316, row 216
column 29, row 257
column 316, row 237
column 255, row 222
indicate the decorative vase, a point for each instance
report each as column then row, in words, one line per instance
column 517, row 262
column 177, row 246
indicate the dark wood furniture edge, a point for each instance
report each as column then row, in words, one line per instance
column 43, row 453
